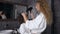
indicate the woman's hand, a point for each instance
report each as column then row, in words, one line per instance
column 24, row 16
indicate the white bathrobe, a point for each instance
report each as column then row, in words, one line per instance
column 35, row 26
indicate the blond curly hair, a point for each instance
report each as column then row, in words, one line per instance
column 46, row 10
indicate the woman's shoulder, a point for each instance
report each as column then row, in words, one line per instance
column 40, row 15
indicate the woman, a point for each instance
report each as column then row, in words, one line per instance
column 38, row 24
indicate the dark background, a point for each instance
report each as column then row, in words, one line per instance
column 6, row 8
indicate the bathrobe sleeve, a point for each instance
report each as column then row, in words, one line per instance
column 38, row 25
column 23, row 29
column 40, row 28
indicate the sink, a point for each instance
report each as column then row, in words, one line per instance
column 6, row 31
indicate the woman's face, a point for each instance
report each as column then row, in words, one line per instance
column 38, row 6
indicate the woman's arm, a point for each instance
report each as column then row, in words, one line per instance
column 41, row 27
column 35, row 21
column 25, row 17
column 39, row 22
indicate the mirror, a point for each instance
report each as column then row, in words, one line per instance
column 5, row 11
column 10, row 11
